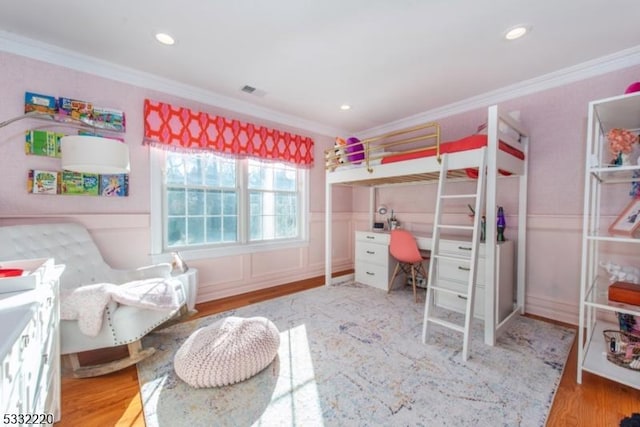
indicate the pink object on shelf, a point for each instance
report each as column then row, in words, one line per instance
column 633, row 87
column 10, row 272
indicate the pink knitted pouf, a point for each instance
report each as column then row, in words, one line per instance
column 231, row 350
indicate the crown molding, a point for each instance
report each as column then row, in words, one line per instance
column 34, row 49
column 606, row 64
column 30, row 48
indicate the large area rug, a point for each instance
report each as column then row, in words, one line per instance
column 351, row 355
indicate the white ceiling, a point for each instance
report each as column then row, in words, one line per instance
column 389, row 59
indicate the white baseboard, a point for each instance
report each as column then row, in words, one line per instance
column 552, row 309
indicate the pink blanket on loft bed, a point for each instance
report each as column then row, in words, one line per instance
column 468, row 143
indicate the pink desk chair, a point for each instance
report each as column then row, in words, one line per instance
column 404, row 249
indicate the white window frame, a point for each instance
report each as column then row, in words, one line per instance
column 158, row 219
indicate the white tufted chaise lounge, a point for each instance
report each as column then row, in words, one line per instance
column 72, row 245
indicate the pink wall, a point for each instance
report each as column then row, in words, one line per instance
column 121, row 225
column 556, row 120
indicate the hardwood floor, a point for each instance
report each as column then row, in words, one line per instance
column 113, row 400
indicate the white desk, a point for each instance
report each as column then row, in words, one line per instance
column 374, row 267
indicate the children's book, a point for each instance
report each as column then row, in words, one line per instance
column 114, row 185
column 35, row 102
column 43, row 143
column 43, row 182
column 78, row 110
column 80, row 184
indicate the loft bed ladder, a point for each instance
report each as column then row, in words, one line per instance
column 470, row 262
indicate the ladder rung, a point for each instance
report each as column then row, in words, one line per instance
column 459, row 196
column 450, row 291
column 446, row 324
column 451, row 258
column 456, row 227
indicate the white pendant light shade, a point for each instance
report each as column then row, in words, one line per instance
column 94, row 154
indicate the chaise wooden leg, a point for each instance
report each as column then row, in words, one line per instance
column 136, row 354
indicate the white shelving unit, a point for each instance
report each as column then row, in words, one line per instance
column 602, row 180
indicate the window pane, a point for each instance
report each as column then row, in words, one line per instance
column 214, row 202
column 271, row 176
column 285, row 179
column 273, row 215
column 257, row 176
column 176, row 201
column 230, row 228
column 229, row 203
column 214, row 229
column 195, row 202
column 195, row 234
column 175, row 168
column 193, row 169
column 219, row 172
column 176, row 231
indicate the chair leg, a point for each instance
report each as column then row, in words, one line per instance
column 413, row 277
column 393, row 276
column 422, row 271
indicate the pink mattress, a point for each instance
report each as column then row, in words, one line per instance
column 469, row 143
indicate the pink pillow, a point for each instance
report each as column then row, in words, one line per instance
column 354, row 150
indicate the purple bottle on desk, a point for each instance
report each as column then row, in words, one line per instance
column 501, row 224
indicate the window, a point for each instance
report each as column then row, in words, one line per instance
column 273, row 201
column 210, row 203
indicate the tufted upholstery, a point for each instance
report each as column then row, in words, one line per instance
column 71, row 244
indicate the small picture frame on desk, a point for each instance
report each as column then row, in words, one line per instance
column 628, row 221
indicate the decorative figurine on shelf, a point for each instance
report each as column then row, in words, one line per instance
column 502, row 224
column 621, row 143
column 621, row 273
column 178, row 266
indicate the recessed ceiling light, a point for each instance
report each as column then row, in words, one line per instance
column 516, row 32
column 165, row 38
column 345, row 107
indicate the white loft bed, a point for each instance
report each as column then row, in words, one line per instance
column 375, row 170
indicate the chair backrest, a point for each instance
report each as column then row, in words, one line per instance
column 68, row 243
column 403, row 247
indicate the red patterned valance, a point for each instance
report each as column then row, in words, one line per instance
column 179, row 128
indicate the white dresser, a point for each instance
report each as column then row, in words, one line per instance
column 373, row 263
column 30, row 353
column 374, row 266
column 454, row 275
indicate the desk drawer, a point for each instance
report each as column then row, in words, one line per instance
column 458, row 303
column 459, row 248
column 458, row 271
column 372, row 237
column 372, row 274
column 372, row 252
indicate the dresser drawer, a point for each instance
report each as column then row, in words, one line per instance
column 375, row 275
column 372, row 237
column 460, row 248
column 458, row 271
column 374, row 253
column 458, row 303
